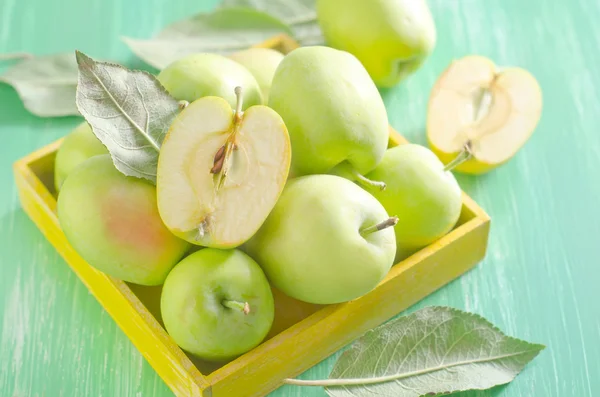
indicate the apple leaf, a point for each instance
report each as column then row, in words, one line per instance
column 436, row 350
column 46, row 84
column 223, row 31
column 128, row 110
column 300, row 15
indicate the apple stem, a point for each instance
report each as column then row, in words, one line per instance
column 183, row 104
column 465, row 154
column 223, row 155
column 482, row 104
column 366, row 182
column 239, row 103
column 15, row 55
column 244, row 307
column 390, row 222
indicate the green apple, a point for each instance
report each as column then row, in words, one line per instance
column 221, row 171
column 78, row 146
column 333, row 111
column 426, row 198
column 217, row 304
column 112, row 221
column 199, row 75
column 392, row 38
column 262, row 63
column 326, row 241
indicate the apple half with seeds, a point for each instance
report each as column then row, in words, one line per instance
column 220, row 171
column 480, row 115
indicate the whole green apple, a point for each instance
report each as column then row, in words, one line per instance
column 262, row 63
column 426, row 199
column 333, row 111
column 326, row 241
column 112, row 221
column 199, row 75
column 392, row 38
column 78, row 146
column 217, row 304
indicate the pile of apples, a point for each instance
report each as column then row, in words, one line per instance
column 276, row 174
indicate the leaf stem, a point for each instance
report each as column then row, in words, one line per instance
column 309, row 17
column 244, row 307
column 390, row 378
column 465, row 154
column 15, row 55
column 390, row 222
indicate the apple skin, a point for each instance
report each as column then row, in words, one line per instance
column 112, row 221
column 192, row 309
column 426, row 199
column 310, row 246
column 333, row 111
column 199, row 75
column 78, row 146
column 262, row 63
column 392, row 38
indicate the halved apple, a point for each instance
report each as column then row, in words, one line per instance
column 479, row 115
column 220, row 172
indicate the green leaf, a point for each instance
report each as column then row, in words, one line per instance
column 129, row 111
column 223, row 31
column 300, row 15
column 45, row 84
column 436, row 350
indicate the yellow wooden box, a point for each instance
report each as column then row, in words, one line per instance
column 302, row 334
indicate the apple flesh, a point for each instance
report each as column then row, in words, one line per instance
column 112, row 221
column 262, row 63
column 479, row 116
column 220, row 172
column 320, row 244
column 392, row 38
column 199, row 75
column 217, row 304
column 333, row 111
column 78, row 146
column 426, row 198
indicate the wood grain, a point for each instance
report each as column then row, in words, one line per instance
column 539, row 281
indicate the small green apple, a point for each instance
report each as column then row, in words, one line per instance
column 217, row 304
column 199, row 75
column 392, row 38
column 426, row 198
column 78, row 146
column 112, row 221
column 262, row 63
column 333, row 111
column 326, row 241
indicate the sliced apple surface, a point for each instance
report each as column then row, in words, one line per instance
column 482, row 114
column 220, row 172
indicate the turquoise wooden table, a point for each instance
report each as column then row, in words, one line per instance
column 540, row 280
